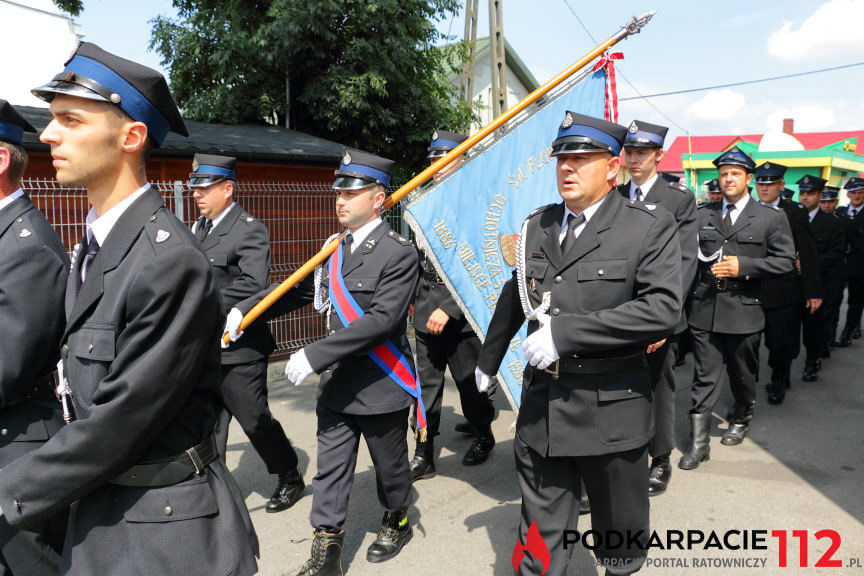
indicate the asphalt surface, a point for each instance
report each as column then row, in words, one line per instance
column 801, row 469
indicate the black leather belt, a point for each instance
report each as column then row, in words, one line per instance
column 42, row 387
column 431, row 276
column 728, row 285
column 171, row 471
column 576, row 365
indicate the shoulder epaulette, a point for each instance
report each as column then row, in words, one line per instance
column 399, row 238
column 540, row 209
column 160, row 231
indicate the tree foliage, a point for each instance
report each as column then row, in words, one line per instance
column 365, row 73
column 73, row 7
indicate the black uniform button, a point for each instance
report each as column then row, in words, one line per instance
column 558, row 279
column 556, row 311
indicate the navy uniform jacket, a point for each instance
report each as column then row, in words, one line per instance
column 141, row 353
column 33, row 270
column 792, row 288
column 762, row 240
column 381, row 274
column 432, row 293
column 830, row 243
column 617, row 289
column 679, row 200
column 854, row 228
column 238, row 249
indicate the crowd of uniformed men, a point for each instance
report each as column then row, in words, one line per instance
column 617, row 283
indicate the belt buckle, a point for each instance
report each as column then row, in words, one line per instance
column 196, row 460
column 553, row 368
column 722, row 284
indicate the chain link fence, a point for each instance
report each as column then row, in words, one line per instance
column 299, row 215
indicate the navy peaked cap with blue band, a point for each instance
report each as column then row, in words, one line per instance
column 787, row 193
column 735, row 157
column 713, row 185
column 644, row 135
column 361, row 169
column 443, row 141
column 139, row 91
column 811, row 183
column 579, row 134
column 12, row 124
column 854, row 184
column 830, row 193
column 208, row 169
column 769, row 172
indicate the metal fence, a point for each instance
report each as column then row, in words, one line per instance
column 299, row 216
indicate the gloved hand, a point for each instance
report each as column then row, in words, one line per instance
column 483, row 380
column 232, row 324
column 539, row 347
column 297, row 368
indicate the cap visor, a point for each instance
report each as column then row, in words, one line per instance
column 351, row 183
column 47, row 91
column 203, row 181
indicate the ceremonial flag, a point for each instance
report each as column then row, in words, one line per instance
column 467, row 222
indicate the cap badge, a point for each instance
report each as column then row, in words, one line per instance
column 435, row 135
column 633, row 127
column 346, row 159
column 162, row 235
column 195, row 165
column 568, row 121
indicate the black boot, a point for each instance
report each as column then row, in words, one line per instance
column 326, row 557
column 845, row 338
column 465, row 427
column 777, row 388
column 658, row 477
column 394, row 533
column 700, row 450
column 787, row 378
column 856, row 333
column 480, row 449
column 811, row 367
column 288, row 492
column 735, row 434
column 423, row 463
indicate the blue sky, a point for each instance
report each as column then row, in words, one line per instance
column 687, row 45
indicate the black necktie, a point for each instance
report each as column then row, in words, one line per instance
column 727, row 220
column 349, row 241
column 92, row 250
column 204, row 227
column 573, row 222
column 639, row 194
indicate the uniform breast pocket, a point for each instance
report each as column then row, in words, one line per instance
column 91, row 352
column 750, row 244
column 361, row 283
column 535, row 273
column 218, row 260
column 606, row 270
column 709, row 241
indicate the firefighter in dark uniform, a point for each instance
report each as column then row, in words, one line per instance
column 741, row 241
column 372, row 276
column 851, row 215
column 643, row 151
column 788, row 194
column 788, row 297
column 33, row 270
column 599, row 279
column 140, row 353
column 444, row 339
column 831, row 247
column 829, row 204
column 714, row 194
column 238, row 248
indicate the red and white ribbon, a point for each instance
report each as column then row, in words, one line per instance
column 607, row 61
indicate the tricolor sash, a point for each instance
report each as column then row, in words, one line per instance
column 385, row 355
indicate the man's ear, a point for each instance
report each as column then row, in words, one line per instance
column 134, row 136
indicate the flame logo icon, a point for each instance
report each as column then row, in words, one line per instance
column 535, row 546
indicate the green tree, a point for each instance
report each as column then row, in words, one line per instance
column 366, row 73
column 73, row 7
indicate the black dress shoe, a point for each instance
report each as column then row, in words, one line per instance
column 465, row 427
column 480, row 449
column 735, row 434
column 810, row 370
column 288, row 492
column 423, row 464
column 658, row 478
column 326, row 556
column 394, row 533
column 845, row 340
column 856, row 334
column 777, row 393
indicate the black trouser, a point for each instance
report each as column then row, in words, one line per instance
column 661, row 363
column 783, row 335
column 338, row 441
column 459, row 351
column 832, row 287
column 855, row 304
column 814, row 333
column 741, row 355
column 617, row 486
column 244, row 394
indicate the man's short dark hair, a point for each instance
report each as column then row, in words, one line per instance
column 17, row 161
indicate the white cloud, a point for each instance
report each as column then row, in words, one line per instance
column 716, row 105
column 831, row 32
column 808, row 118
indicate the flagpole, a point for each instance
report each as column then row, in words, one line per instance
column 634, row 26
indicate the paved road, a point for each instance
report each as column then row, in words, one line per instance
column 802, row 468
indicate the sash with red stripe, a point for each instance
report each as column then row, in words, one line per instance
column 385, row 355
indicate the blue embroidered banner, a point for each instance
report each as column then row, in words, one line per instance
column 468, row 221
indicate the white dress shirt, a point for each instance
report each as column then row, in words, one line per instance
column 11, row 198
column 645, row 187
column 588, row 213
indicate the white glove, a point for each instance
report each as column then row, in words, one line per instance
column 232, row 323
column 482, row 380
column 539, row 347
column 297, row 368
